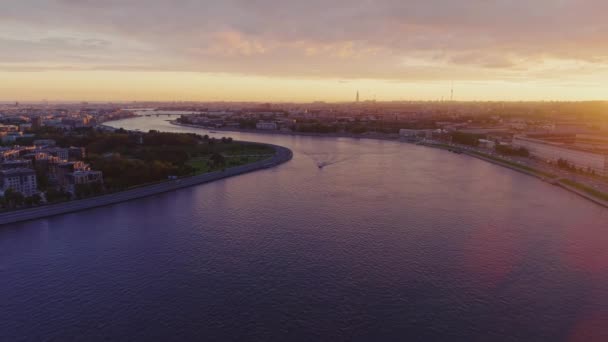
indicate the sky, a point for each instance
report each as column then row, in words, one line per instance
column 314, row 50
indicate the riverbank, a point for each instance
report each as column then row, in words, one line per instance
column 576, row 188
column 591, row 194
column 544, row 176
column 568, row 185
column 282, row 155
column 378, row 136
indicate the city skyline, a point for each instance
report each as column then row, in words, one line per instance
column 290, row 51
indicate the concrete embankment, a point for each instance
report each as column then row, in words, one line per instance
column 512, row 167
column 583, row 194
column 544, row 177
column 281, row 156
column 554, row 181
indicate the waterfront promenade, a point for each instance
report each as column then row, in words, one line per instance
column 281, row 156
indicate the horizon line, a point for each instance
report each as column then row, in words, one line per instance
column 295, row 102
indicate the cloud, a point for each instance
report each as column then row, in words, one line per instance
column 376, row 39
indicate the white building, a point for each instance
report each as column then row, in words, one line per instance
column 266, row 125
column 552, row 152
column 485, row 143
column 408, row 132
column 412, row 133
column 19, row 180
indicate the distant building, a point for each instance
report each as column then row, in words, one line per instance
column 83, row 177
column 408, row 132
column 266, row 125
column 37, row 122
column 8, row 128
column 9, row 153
column 44, row 162
column 19, row 180
column 25, row 127
column 59, row 172
column 44, row 142
column 77, row 152
column 76, row 122
column 10, row 137
column 485, row 143
column 416, row 133
column 61, row 153
column 16, row 164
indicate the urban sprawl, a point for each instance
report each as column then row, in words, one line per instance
column 551, row 136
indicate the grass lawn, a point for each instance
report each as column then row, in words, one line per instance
column 244, row 148
column 201, row 164
column 508, row 162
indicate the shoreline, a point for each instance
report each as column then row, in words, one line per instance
column 294, row 134
column 553, row 181
column 282, row 155
column 536, row 174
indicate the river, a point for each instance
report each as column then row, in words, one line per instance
column 389, row 241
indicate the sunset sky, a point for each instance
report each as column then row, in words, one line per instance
column 271, row 50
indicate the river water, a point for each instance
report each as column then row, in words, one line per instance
column 389, row 241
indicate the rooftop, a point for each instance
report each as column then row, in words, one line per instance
column 16, row 172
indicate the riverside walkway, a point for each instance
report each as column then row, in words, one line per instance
column 281, row 156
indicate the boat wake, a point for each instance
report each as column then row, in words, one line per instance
column 323, row 160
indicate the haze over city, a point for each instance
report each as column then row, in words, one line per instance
column 311, row 170
column 303, row 50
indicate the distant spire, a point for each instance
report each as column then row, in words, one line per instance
column 452, row 93
column 357, row 96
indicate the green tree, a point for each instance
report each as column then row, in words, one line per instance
column 55, row 195
column 217, row 160
column 88, row 190
column 33, row 200
column 13, row 199
column 466, row 138
column 42, row 179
